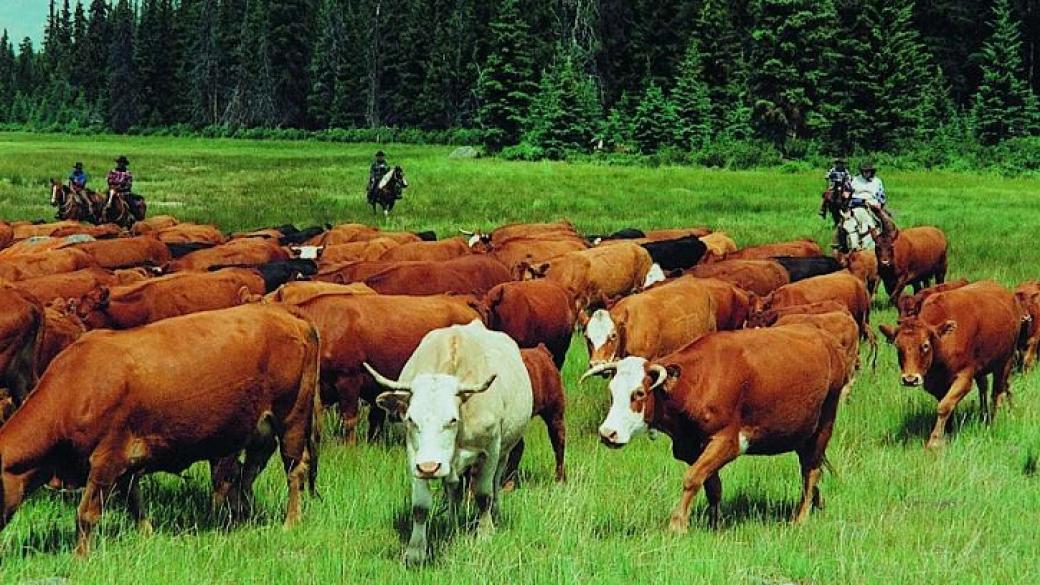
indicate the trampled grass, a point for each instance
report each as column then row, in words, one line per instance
column 895, row 513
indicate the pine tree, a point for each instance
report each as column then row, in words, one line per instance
column 565, row 114
column 155, row 54
column 7, row 76
column 939, row 115
column 792, row 49
column 655, row 123
column 122, row 80
column 25, row 68
column 721, row 43
column 288, row 38
column 252, row 103
column 1004, row 105
column 79, row 61
column 205, row 77
column 326, row 58
column 692, row 101
column 95, row 52
column 506, row 82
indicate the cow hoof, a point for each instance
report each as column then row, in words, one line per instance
column 144, row 526
column 678, row 527
column 414, row 557
column 508, row 486
column 934, row 444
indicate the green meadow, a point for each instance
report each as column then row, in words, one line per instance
column 894, row 512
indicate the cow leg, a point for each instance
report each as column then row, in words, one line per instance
column 348, row 389
column 511, row 474
column 422, row 502
column 258, row 452
column 958, row 390
column 131, row 486
column 720, row 450
column 1001, row 385
column 486, row 486
column 983, row 384
column 713, row 491
column 813, row 455
column 223, row 475
column 376, row 420
column 558, row 438
column 297, row 460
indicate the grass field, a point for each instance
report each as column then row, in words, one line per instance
column 895, row 513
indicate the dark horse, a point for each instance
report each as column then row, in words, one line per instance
column 388, row 190
column 97, row 208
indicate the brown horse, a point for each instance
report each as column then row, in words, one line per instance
column 97, row 208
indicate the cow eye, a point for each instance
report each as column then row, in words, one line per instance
column 613, row 336
column 925, row 347
column 639, row 394
column 453, row 422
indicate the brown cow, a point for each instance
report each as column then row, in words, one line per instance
column 21, row 328
column 533, row 312
column 1028, row 297
column 912, row 256
column 52, row 262
column 356, row 232
column 24, row 230
column 862, row 263
column 841, row 287
column 367, row 250
column 911, row 305
column 959, row 336
column 756, row 276
column 562, row 229
column 518, row 253
column 428, row 251
column 67, row 285
column 597, row 273
column 837, row 323
column 191, row 233
column 719, row 244
column 466, row 275
column 300, row 291
column 732, row 303
column 652, row 323
column 34, row 245
column 769, row 317
column 6, row 235
column 799, row 248
column 676, row 233
column 152, row 224
column 550, row 404
column 61, row 327
column 348, row 272
column 126, row 252
column 245, row 251
column 108, row 410
column 756, row 392
column 133, row 305
column 104, row 231
column 382, row 330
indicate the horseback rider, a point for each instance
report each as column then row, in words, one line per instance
column 78, row 178
column 120, row 181
column 866, row 203
column 376, row 172
column 839, row 185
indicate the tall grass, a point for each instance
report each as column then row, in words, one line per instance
column 895, row 513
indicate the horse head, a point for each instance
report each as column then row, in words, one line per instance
column 58, row 193
column 399, row 177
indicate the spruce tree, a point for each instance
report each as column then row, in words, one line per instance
column 288, row 39
column 95, row 53
column 506, row 82
column 122, row 80
column 326, row 58
column 792, row 48
column 565, row 114
column 723, row 60
column 25, row 68
column 7, row 76
column 656, row 121
column 692, row 101
column 1004, row 105
column 79, row 61
column 205, row 74
column 252, row 102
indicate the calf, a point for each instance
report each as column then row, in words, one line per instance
column 913, row 256
column 241, row 379
column 678, row 254
column 533, row 312
column 802, row 268
column 958, row 337
column 652, row 323
column 466, row 399
column 756, row 392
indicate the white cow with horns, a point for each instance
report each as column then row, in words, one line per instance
column 465, row 398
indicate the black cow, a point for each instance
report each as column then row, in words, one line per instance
column 178, row 250
column 275, row 274
column 677, row 254
column 622, row 234
column 300, row 236
column 427, row 236
column 802, row 268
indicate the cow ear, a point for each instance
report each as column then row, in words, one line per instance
column 888, row 331
column 674, row 371
column 103, row 296
column 906, row 306
column 339, row 279
column 395, row 402
column 583, row 319
column 947, row 327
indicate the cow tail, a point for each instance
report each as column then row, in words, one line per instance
column 313, row 381
column 825, row 463
column 28, row 356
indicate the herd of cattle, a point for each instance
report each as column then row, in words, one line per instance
column 124, row 353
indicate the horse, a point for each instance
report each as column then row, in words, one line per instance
column 389, row 189
column 97, row 208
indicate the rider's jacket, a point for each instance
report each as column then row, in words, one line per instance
column 376, row 172
column 866, row 192
column 78, row 179
column 122, row 181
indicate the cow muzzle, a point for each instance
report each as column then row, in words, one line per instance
column 427, row 470
column 912, row 380
column 610, row 438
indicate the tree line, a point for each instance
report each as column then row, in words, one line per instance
column 542, row 77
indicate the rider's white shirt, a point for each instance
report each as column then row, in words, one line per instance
column 867, row 190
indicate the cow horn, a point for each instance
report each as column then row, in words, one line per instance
column 386, row 382
column 477, row 389
column 465, row 232
column 661, row 375
column 597, row 370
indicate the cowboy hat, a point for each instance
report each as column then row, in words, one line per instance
column 122, row 160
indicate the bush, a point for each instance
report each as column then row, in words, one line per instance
column 523, row 151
